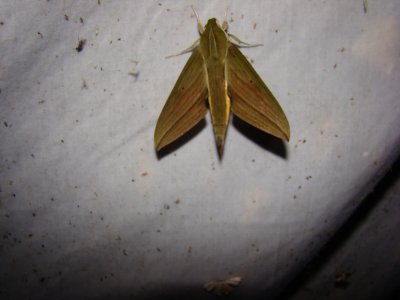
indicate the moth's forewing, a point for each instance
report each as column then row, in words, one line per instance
column 251, row 99
column 186, row 105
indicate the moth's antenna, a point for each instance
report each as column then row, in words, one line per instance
column 200, row 27
column 189, row 49
column 225, row 22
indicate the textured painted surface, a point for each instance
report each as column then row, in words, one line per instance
column 87, row 208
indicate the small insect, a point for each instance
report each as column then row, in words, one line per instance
column 79, row 46
column 219, row 72
column 342, row 279
column 222, row 287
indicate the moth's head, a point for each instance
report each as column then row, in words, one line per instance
column 214, row 22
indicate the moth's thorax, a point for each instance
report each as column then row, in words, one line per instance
column 214, row 41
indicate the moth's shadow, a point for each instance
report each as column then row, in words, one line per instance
column 264, row 140
column 182, row 140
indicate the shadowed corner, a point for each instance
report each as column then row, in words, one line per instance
column 259, row 137
column 344, row 238
column 181, row 140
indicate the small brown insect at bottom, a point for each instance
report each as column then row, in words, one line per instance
column 222, row 287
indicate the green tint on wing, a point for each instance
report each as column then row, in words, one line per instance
column 251, row 100
column 186, row 104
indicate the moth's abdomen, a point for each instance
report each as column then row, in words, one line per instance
column 219, row 101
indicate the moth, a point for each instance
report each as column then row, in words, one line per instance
column 217, row 75
column 222, row 287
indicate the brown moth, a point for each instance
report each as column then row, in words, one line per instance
column 219, row 73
